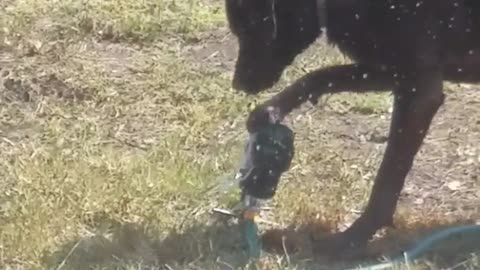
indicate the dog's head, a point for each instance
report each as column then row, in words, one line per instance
column 270, row 33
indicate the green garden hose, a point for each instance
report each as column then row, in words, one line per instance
column 471, row 232
column 250, row 234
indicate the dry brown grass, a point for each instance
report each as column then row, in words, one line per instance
column 112, row 141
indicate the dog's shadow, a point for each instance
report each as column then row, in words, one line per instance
column 113, row 245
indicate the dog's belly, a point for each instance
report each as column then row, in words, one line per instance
column 371, row 34
column 463, row 67
column 375, row 51
column 470, row 58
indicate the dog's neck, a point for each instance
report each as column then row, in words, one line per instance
column 322, row 13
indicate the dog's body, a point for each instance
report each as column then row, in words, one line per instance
column 406, row 46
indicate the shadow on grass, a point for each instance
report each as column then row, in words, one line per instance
column 219, row 246
column 133, row 246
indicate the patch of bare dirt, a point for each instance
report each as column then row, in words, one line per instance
column 216, row 49
column 16, row 88
column 445, row 174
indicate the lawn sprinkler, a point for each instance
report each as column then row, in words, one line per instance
column 268, row 154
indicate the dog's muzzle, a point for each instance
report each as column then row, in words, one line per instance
column 268, row 154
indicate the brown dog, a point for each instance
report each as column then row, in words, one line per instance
column 406, row 46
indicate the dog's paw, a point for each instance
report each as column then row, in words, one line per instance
column 262, row 116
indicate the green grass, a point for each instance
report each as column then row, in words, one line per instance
column 110, row 20
column 113, row 159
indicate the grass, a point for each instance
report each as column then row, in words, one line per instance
column 110, row 20
column 113, row 139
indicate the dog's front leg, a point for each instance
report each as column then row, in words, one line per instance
column 416, row 102
column 353, row 78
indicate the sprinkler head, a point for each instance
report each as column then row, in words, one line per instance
column 268, row 154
